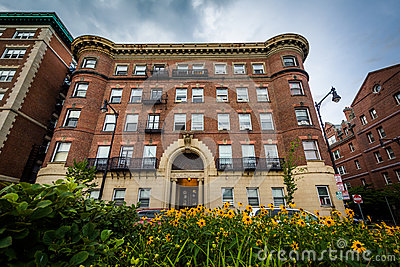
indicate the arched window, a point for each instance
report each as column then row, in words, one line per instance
column 188, row 161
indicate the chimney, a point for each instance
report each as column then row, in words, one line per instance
column 348, row 112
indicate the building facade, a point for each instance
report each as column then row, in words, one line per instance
column 200, row 123
column 366, row 146
column 35, row 57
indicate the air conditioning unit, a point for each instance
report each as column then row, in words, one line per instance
column 304, row 123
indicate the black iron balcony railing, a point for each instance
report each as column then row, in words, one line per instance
column 249, row 164
column 152, row 130
column 123, row 163
column 190, row 73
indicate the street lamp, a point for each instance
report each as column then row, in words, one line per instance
column 104, row 109
column 335, row 98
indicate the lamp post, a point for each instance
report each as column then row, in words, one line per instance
column 116, row 114
column 335, row 98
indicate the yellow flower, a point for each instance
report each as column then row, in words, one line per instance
column 240, row 204
column 294, row 246
column 262, row 207
column 349, row 213
column 301, row 223
column 275, row 223
column 292, row 205
column 220, row 212
column 316, row 212
column 329, row 222
column 144, row 218
column 258, row 242
column 271, row 206
column 231, row 214
column 168, row 237
column 249, row 208
column 150, row 240
column 247, row 220
column 201, row 223
column 358, row 246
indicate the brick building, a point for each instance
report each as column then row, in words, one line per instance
column 35, row 56
column 374, row 115
column 198, row 123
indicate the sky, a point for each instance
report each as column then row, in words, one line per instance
column 348, row 38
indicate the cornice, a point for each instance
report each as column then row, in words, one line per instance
column 283, row 41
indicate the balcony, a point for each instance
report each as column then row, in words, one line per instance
column 124, row 164
column 249, row 164
column 153, row 130
column 160, row 73
column 190, row 73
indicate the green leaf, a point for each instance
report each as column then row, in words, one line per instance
column 89, row 231
column 2, row 230
column 119, row 242
column 49, row 236
column 60, row 232
column 22, row 206
column 5, row 242
column 44, row 203
column 79, row 258
column 41, row 258
column 22, row 234
column 105, row 234
column 41, row 212
column 12, row 197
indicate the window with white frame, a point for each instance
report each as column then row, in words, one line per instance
column 397, row 98
column 14, row 53
column 116, row 95
column 266, row 121
column 227, row 196
column 136, row 95
column 351, row 147
column 342, row 170
column 153, row 121
column 378, row 157
column 89, row 63
column 386, row 178
column 225, row 156
column 381, row 132
column 239, row 69
column 242, row 94
column 2, row 96
column 140, row 70
column 296, row 88
column 373, row 114
column 198, row 67
column 389, row 152
column 397, row 174
column 71, row 120
column 262, row 94
column 346, row 131
column 179, row 122
column 311, row 150
column 131, row 122
column 363, row 120
column 181, row 95
column 197, row 122
column 323, row 195
column 278, row 196
column 126, row 152
column 248, row 157
column 223, row 122
column 220, row 68
column 121, row 70
column 245, row 121
column 94, row 193
column 332, row 140
column 303, row 116
column 144, row 197
column 289, row 61
column 159, row 68
column 197, row 95
column 358, row 165
column 109, row 123
column 222, row 95
column 24, row 34
column 271, row 151
column 156, row 94
column 6, row 75
column 252, row 197
column 258, row 68
column 149, row 157
column 61, row 151
column 370, row 137
column 80, row 89
column 102, row 156
column 336, row 154
column 119, row 196
column 182, row 69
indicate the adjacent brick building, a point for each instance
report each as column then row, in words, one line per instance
column 198, row 123
column 34, row 62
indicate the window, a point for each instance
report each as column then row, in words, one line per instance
column 126, row 152
column 71, row 120
column 180, row 95
column 220, row 68
column 131, row 122
column 266, row 121
column 80, row 89
column 342, row 170
column 140, row 70
column 347, row 186
column 197, row 95
column 239, row 69
column 6, row 75
column 1, row 96
column 14, row 53
column 24, row 35
column 179, row 122
column 227, row 196
column 363, row 182
column 102, row 156
column 109, row 123
column 296, row 88
column 346, row 131
column 397, row 98
column 159, row 68
column 397, row 174
column 136, row 96
column 245, row 122
column 197, row 122
column 144, row 197
column 363, row 120
column 311, row 150
column 377, row 88
column 89, row 63
column 323, row 194
column 252, row 197
column 271, row 151
column 222, row 95
column 373, row 114
column 94, row 193
column 358, row 165
column 61, row 152
column 289, row 61
column 378, row 157
column 223, row 122
column 390, row 153
column 225, row 156
column 119, row 196
column 153, row 121
column 242, row 94
column 336, row 154
column 386, row 178
column 248, row 157
column 149, row 157
column 370, row 137
column 116, row 95
column 156, row 94
column 182, row 69
column 332, row 139
column 381, row 132
column 351, row 147
column 303, row 116
column 198, row 68
column 278, row 196
column 121, row 70
column 258, row 68
column 262, row 94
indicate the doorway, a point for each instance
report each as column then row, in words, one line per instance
column 187, row 193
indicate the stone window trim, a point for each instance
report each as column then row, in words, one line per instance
column 20, row 55
column 291, row 56
column 258, row 63
column 24, row 34
column 239, row 63
column 118, row 65
column 144, row 197
column 87, row 58
column 140, row 65
column 7, row 73
column 296, row 81
column 228, row 197
column 221, row 64
column 80, row 92
column 324, row 197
